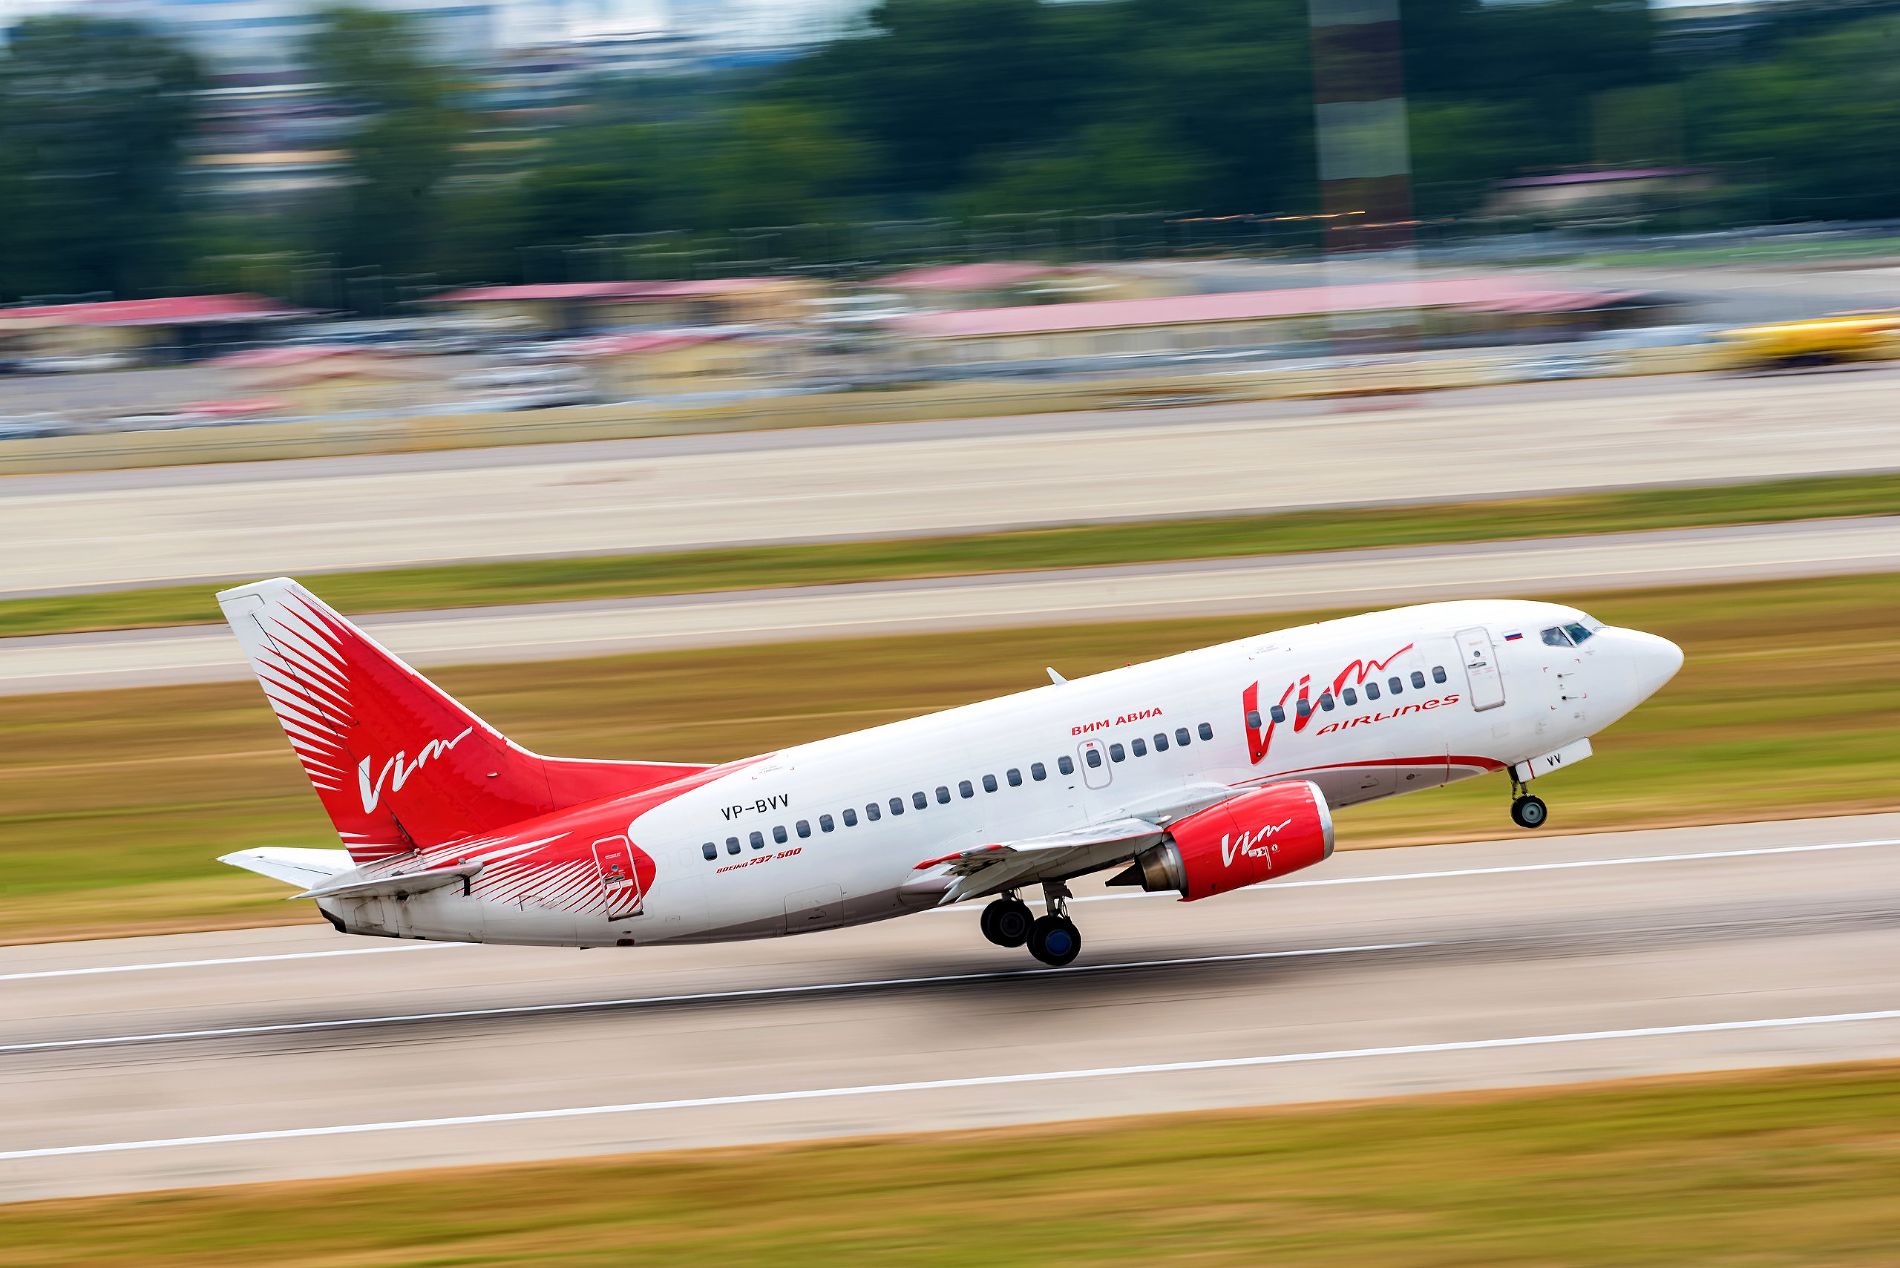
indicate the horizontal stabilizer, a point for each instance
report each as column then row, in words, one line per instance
column 401, row 885
column 293, row 865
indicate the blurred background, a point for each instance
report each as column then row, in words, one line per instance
column 477, row 205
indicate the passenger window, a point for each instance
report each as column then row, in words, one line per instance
column 1093, row 757
column 1372, row 691
column 965, row 790
column 732, row 845
column 1395, row 685
column 1438, row 673
column 1253, row 718
column 778, row 833
column 989, row 783
column 1349, row 697
column 1161, row 741
column 871, row 813
column 757, row 839
column 803, row 828
column 1278, row 713
column 710, row 850
column 897, row 805
column 1303, row 707
column 1206, row 730
column 1181, row 736
column 1326, row 701
column 1116, row 752
column 825, row 824
column 850, row 818
column 1138, row 746
column 943, row 795
column 918, row 799
column 1066, row 764
column 1556, row 637
column 1015, row 777
column 1418, row 680
column 1038, row 772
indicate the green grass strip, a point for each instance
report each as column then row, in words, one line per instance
column 1784, row 1167
column 686, row 572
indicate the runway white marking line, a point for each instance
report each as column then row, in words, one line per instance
column 968, row 1081
column 1502, row 869
column 233, row 959
column 756, row 992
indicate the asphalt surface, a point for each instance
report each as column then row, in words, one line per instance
column 1282, row 583
column 214, row 1058
column 248, row 520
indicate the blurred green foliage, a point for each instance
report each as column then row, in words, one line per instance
column 940, row 113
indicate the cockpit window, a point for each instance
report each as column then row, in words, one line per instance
column 1556, row 637
column 1577, row 632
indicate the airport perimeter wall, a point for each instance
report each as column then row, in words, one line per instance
column 406, row 434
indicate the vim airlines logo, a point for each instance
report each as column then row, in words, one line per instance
column 398, row 769
column 1253, row 845
column 1260, row 738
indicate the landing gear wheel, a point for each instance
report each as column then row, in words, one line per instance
column 1006, row 922
column 1529, row 812
column 1055, row 940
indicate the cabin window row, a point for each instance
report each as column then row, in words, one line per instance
column 1371, row 689
column 1014, row 777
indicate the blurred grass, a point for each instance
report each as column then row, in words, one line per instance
column 683, row 572
column 113, row 804
column 1786, row 1167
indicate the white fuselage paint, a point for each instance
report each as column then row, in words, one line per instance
column 1419, row 737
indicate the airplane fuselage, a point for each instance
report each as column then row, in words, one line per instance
column 834, row 832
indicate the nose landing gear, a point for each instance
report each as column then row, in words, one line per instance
column 1527, row 811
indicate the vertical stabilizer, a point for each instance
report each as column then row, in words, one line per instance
column 396, row 761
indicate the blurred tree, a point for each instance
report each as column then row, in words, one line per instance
column 779, row 163
column 1813, row 128
column 1107, row 165
column 93, row 118
column 402, row 147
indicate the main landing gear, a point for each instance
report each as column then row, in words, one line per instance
column 1527, row 811
column 1053, row 938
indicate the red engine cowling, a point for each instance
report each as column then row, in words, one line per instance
column 1247, row 839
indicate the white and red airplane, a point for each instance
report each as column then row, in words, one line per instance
column 1198, row 773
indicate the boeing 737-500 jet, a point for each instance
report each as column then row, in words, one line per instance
column 1197, row 774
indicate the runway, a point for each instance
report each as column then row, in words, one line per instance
column 260, row 519
column 1281, row 583
column 213, row 1058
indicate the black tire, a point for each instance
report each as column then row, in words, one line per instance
column 1529, row 812
column 1055, row 941
column 1007, row 921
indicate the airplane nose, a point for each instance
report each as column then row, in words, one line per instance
column 1653, row 659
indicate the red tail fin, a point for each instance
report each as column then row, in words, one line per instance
column 396, row 761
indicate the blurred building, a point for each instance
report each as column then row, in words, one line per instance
column 584, row 307
column 1451, row 310
column 323, row 380
column 148, row 331
column 983, row 284
column 674, row 363
column 1610, row 191
column 263, row 37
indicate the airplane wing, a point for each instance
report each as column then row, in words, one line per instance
column 991, row 868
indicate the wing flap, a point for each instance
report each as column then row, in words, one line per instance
column 990, row 868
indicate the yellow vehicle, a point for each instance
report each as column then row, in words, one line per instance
column 1819, row 341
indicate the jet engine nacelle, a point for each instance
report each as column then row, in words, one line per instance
column 1242, row 841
